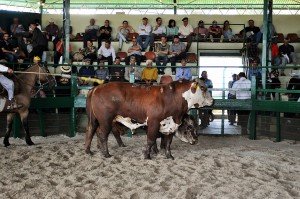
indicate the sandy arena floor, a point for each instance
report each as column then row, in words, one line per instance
column 216, row 167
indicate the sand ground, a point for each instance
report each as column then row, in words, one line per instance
column 216, row 167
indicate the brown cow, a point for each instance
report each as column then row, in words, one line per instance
column 161, row 108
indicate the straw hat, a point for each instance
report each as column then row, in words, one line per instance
column 36, row 58
column 65, row 69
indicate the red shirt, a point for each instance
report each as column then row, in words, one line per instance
column 274, row 50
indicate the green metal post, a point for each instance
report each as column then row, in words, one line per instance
column 73, row 110
column 41, row 122
column 278, row 127
column 17, row 126
column 252, row 116
column 66, row 25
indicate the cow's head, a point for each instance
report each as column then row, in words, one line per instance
column 197, row 95
column 187, row 131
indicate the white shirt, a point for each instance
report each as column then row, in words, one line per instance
column 185, row 30
column 160, row 30
column 147, row 29
column 3, row 68
column 240, row 84
column 106, row 52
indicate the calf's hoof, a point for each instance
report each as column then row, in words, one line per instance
column 6, row 143
column 107, row 155
column 169, row 156
column 29, row 142
column 89, row 152
column 122, row 145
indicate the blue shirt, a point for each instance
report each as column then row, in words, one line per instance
column 183, row 73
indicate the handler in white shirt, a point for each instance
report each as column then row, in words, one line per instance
column 240, row 86
column 144, row 31
column 107, row 52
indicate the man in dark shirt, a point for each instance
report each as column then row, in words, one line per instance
column 250, row 31
column 104, row 33
column 117, row 73
column 288, row 50
column 294, row 84
column 39, row 42
column 8, row 50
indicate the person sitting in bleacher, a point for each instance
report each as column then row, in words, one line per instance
column 52, row 31
column 254, row 69
column 117, row 71
column 158, row 31
column 39, row 41
column 183, row 72
column 201, row 32
column 288, row 53
column 107, row 52
column 162, row 51
column 251, row 30
column 123, row 32
column 90, row 32
column 215, row 32
column 227, row 31
column 177, row 51
column 10, row 52
column 149, row 74
column 89, row 51
column 16, row 27
column 102, row 73
column 134, row 50
column 87, row 70
column 186, row 32
column 133, row 71
column 171, row 29
column 104, row 33
column 144, row 31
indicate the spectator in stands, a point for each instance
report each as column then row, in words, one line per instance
column 276, row 58
column 123, row 32
column 144, row 31
column 272, row 32
column 239, row 89
column 39, row 41
column 117, row 71
column 252, row 49
column 59, row 52
column 16, row 27
column 206, row 114
column 273, row 82
column 215, row 32
column 52, row 30
column 89, row 51
column 107, row 52
column 294, row 84
column 231, row 95
column 288, row 53
column 171, row 29
column 158, row 31
column 134, row 50
column 149, row 74
column 10, row 52
column 177, row 50
column 186, row 32
column 201, row 32
column 91, row 32
column 2, row 31
column 102, row 73
column 183, row 72
column 254, row 69
column 133, row 71
column 162, row 51
column 227, row 31
column 104, row 33
column 87, row 70
column 251, row 30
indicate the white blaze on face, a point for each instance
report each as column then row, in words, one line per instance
column 193, row 98
column 126, row 121
column 168, row 126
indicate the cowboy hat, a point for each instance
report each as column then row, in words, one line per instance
column 65, row 69
column 36, row 58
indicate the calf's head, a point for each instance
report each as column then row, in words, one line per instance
column 187, row 131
